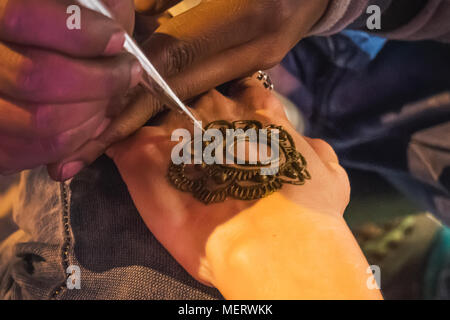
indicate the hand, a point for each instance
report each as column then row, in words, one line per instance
column 204, row 237
column 59, row 88
column 221, row 40
column 154, row 7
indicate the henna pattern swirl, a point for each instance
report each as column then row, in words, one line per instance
column 216, row 182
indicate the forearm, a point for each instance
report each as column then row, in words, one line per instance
column 277, row 250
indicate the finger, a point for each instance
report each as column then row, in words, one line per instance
column 199, row 79
column 121, row 127
column 17, row 150
column 123, row 11
column 44, row 24
column 213, row 106
column 325, row 152
column 39, row 76
column 252, row 92
column 153, row 7
column 237, row 88
column 192, row 82
column 224, row 67
column 145, row 26
column 45, row 120
column 186, row 39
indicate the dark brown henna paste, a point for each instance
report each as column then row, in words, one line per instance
column 217, row 182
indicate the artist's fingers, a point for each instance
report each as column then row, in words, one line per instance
column 40, row 76
column 210, row 73
column 145, row 26
column 24, row 120
column 123, row 11
column 43, row 23
column 130, row 120
column 153, row 7
column 16, row 150
column 188, row 84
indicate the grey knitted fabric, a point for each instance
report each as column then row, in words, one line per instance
column 89, row 222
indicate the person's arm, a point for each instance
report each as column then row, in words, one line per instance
column 291, row 244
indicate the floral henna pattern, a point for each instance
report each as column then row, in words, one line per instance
column 246, row 180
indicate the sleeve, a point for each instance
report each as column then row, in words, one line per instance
column 401, row 19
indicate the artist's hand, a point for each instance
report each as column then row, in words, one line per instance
column 221, row 40
column 202, row 238
column 59, row 88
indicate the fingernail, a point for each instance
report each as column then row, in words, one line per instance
column 115, row 43
column 136, row 74
column 70, row 169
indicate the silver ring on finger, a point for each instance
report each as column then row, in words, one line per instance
column 265, row 79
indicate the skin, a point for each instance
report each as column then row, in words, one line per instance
column 221, row 40
column 59, row 88
column 293, row 244
column 65, row 95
